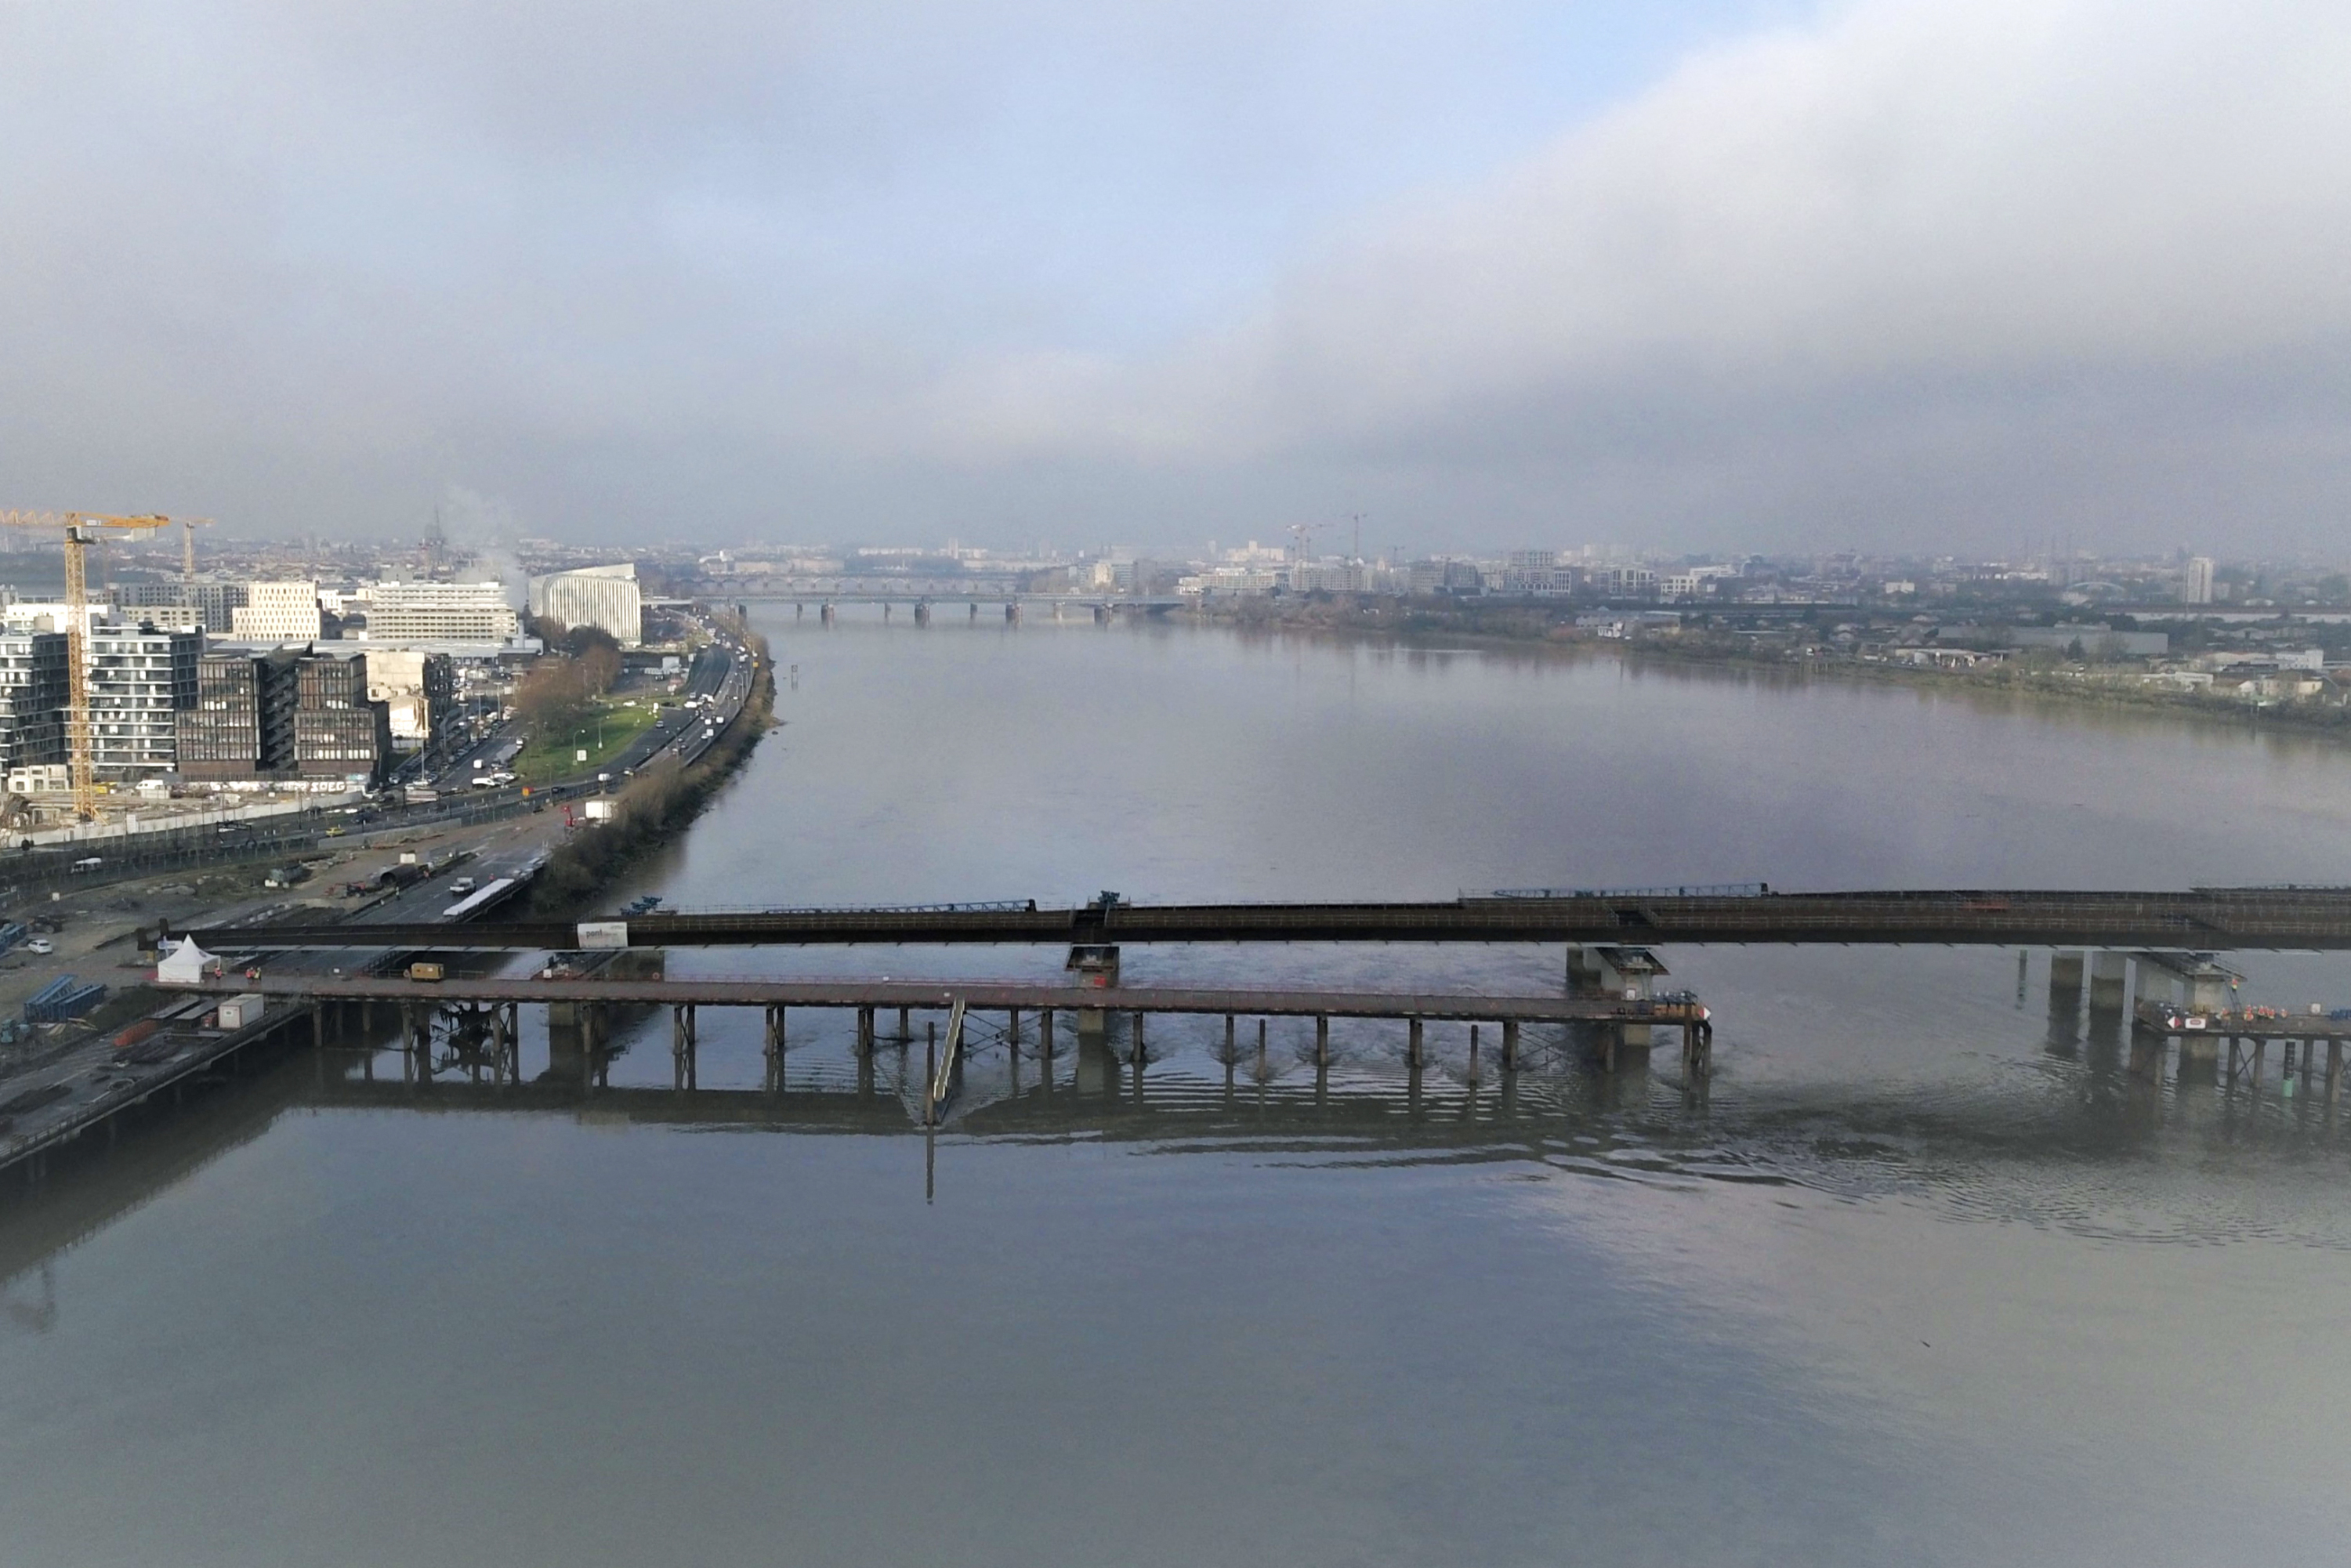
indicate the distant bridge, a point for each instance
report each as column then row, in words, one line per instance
column 2199, row 920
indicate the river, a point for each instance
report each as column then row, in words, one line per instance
column 1920, row 1278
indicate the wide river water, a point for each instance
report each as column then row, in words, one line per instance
column 1922, row 1276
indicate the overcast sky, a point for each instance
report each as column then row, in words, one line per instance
column 1963, row 274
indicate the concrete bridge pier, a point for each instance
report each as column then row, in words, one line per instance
column 1321, row 1040
column 826, row 614
column 2064, row 1000
column 773, row 1046
column 1101, row 614
column 1011, row 612
column 1045, row 1035
column 1095, row 1067
column 865, row 1033
column 1509, row 1045
column 2147, row 1053
column 1413, row 1054
column 922, row 613
column 1697, row 1053
column 1619, row 974
column 2199, row 1057
column 2106, row 973
column 1095, row 966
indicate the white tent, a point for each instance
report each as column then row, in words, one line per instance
column 186, row 965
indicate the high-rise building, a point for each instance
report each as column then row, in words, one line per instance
column 2196, row 581
column 440, row 613
column 140, row 680
column 277, row 612
column 605, row 597
column 339, row 733
column 243, row 723
column 32, row 698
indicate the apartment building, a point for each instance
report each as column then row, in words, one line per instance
column 32, row 698
column 140, row 678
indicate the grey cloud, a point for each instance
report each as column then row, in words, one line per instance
column 1913, row 272
column 2083, row 260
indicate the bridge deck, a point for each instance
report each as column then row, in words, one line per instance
column 2200, row 920
column 989, row 995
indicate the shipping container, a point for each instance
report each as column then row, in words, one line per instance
column 236, row 1012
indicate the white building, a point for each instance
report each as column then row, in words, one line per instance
column 2196, row 582
column 139, row 682
column 442, row 612
column 277, row 613
column 32, row 616
column 605, row 597
column 418, row 689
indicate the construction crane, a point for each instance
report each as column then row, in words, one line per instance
column 79, row 530
column 188, row 547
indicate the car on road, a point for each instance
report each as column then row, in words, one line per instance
column 463, row 886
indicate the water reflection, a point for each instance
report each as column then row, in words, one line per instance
column 1924, row 1274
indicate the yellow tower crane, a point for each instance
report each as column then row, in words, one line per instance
column 78, row 529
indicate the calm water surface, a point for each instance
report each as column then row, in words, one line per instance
column 1920, row 1279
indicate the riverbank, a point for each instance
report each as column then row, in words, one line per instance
column 658, row 804
column 2088, row 688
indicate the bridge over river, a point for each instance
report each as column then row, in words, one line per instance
column 2200, row 920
